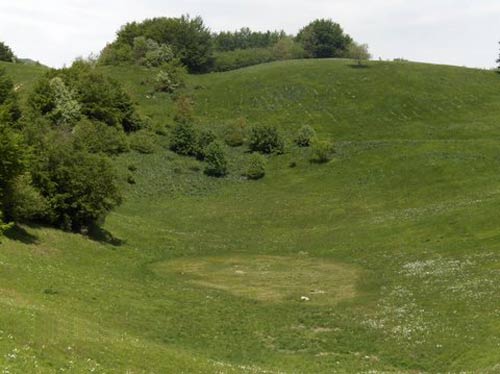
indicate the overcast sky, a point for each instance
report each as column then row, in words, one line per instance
column 457, row 32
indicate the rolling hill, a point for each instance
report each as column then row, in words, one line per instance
column 386, row 259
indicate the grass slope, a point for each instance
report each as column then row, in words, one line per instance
column 202, row 275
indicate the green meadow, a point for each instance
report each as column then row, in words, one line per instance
column 384, row 260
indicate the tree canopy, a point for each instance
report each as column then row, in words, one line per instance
column 324, row 38
column 6, row 53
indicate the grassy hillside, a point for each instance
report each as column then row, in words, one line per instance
column 396, row 242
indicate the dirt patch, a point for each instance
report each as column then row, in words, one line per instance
column 270, row 278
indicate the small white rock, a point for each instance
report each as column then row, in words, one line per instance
column 305, row 298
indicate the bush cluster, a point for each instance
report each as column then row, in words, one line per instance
column 161, row 40
column 54, row 167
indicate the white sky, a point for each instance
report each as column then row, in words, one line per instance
column 457, row 32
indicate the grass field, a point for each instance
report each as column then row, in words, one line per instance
column 386, row 259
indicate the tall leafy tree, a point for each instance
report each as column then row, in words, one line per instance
column 324, row 38
column 6, row 53
column 189, row 38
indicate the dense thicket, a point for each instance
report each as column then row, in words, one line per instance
column 65, row 96
column 6, row 53
column 185, row 40
column 245, row 39
column 188, row 38
column 54, row 167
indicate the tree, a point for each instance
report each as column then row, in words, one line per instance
column 189, row 39
column 66, row 107
column 63, row 94
column 6, row 53
column 81, row 188
column 324, row 38
column 10, row 112
column 358, row 52
column 13, row 162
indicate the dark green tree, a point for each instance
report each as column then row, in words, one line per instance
column 189, row 38
column 6, row 53
column 81, row 188
column 324, row 38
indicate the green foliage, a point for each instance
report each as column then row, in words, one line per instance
column 80, row 188
column 6, row 53
column 188, row 38
column 358, row 52
column 67, row 110
column 266, row 139
column 184, row 139
column 246, row 39
column 170, row 78
column 240, row 58
column 324, row 38
column 323, row 151
column 116, row 54
column 235, row 133
column 63, row 94
column 142, row 141
column 25, row 203
column 149, row 53
column 287, row 48
column 10, row 112
column 216, row 159
column 305, row 136
column 13, row 162
column 205, row 138
column 98, row 137
column 256, row 167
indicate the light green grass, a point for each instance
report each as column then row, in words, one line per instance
column 410, row 201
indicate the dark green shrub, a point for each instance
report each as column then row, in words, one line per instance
column 216, row 159
column 256, row 168
column 184, row 139
column 266, row 139
column 6, row 53
column 205, row 138
column 323, row 151
column 305, row 136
